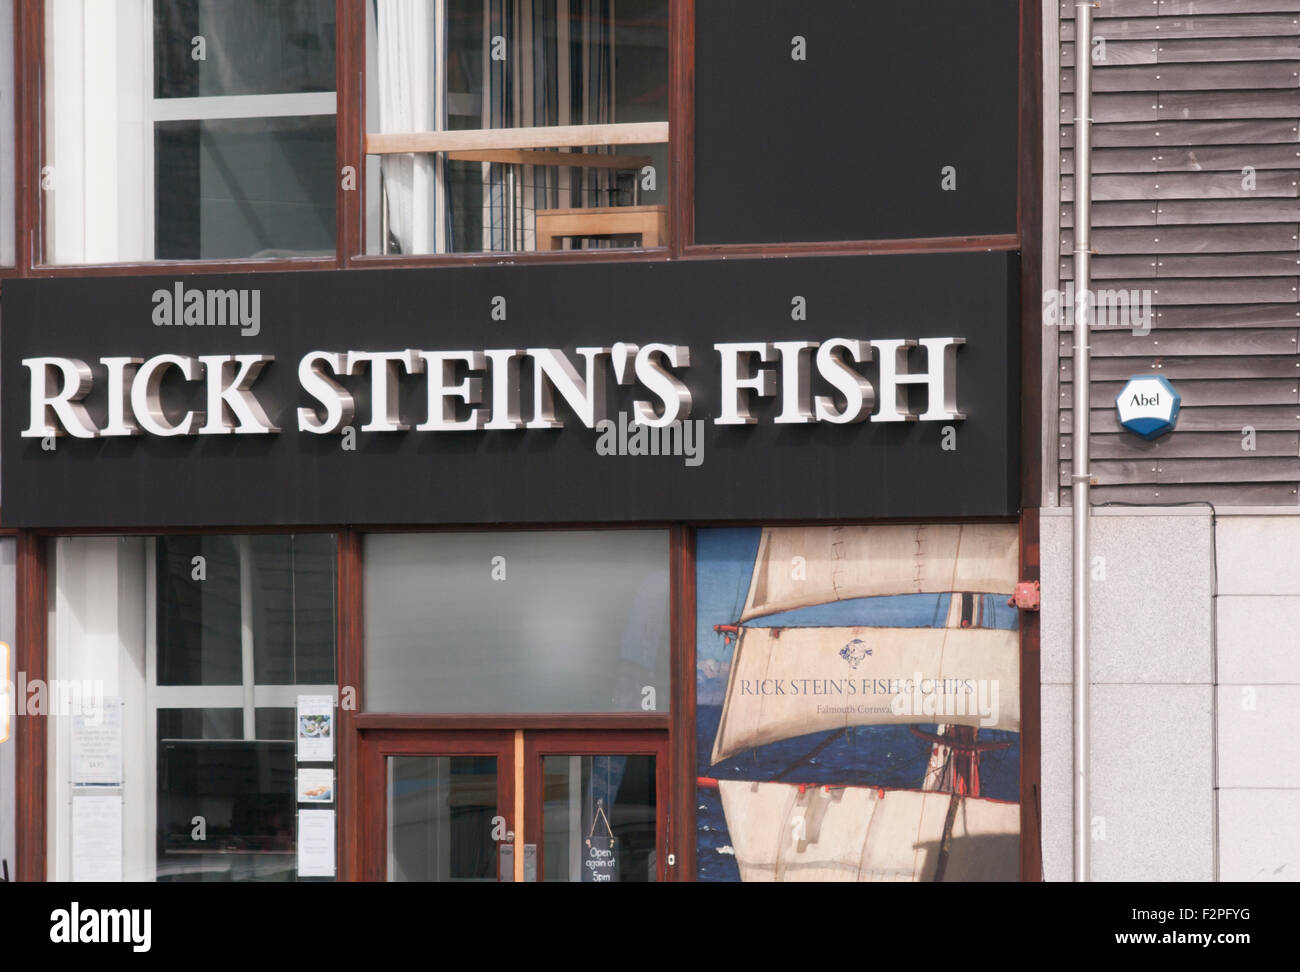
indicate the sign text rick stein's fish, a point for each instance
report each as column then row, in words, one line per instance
column 483, row 390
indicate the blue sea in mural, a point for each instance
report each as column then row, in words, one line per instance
column 886, row 756
column 889, row 756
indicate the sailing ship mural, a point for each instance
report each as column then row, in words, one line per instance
column 858, row 703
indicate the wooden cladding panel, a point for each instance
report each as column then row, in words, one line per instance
column 1164, row 494
column 1193, row 158
column 1201, row 392
column 1190, row 77
column 1159, row 469
column 1212, row 342
column 1190, row 50
column 1196, row 290
column 1169, row 240
column 1179, row 8
column 1191, row 368
column 1164, row 265
column 1261, row 418
column 1161, row 134
column 1196, row 445
column 1280, row 183
column 1185, row 106
column 1238, row 23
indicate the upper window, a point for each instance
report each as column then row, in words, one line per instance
column 511, row 125
column 188, row 130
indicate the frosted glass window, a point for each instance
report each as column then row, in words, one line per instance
column 517, row 622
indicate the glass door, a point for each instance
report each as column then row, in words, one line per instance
column 441, row 806
column 597, row 804
column 447, row 805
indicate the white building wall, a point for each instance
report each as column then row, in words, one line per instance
column 1195, row 763
column 1259, row 697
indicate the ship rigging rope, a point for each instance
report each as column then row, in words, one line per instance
column 810, row 754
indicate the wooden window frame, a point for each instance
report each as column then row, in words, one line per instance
column 374, row 750
column 555, row 742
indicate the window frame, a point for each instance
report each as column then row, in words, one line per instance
column 681, row 20
column 248, row 695
column 31, row 144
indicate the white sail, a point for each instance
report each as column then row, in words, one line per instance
column 783, row 832
column 802, row 566
column 787, row 682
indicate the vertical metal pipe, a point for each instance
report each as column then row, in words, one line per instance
column 247, row 660
column 1081, row 479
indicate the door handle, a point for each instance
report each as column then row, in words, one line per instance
column 506, row 858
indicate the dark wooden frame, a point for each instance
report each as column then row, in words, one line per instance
column 30, row 731
column 1029, row 219
column 30, row 652
column 552, row 742
column 375, row 747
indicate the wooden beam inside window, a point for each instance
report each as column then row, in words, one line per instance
column 583, row 160
column 548, row 136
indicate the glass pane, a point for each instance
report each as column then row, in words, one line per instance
column 222, row 608
column 140, row 159
column 244, row 791
column 513, row 64
column 205, row 723
column 288, row 582
column 247, row 47
column 274, row 723
column 244, row 187
column 598, row 818
column 198, row 611
column 440, row 811
column 293, row 609
column 517, row 622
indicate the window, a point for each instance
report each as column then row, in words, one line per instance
column 456, row 91
column 545, row 621
column 188, row 130
column 206, row 643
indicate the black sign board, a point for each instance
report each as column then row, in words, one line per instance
column 222, row 470
column 854, row 120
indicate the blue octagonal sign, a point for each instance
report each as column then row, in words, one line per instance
column 1148, row 406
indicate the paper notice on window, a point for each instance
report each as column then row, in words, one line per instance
column 315, row 786
column 97, row 838
column 5, row 700
column 97, row 742
column 315, row 843
column 315, row 729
